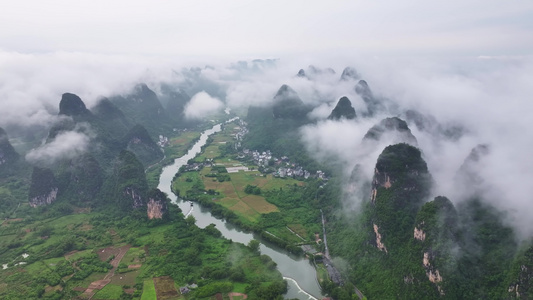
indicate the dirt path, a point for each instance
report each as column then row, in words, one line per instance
column 231, row 295
column 117, row 260
column 100, row 284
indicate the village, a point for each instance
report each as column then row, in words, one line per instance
column 224, row 153
column 264, row 161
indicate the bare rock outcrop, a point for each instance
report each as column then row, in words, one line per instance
column 379, row 243
column 157, row 205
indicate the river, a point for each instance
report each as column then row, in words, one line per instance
column 299, row 273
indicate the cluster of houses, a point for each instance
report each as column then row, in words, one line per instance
column 197, row 166
column 279, row 167
column 242, row 130
column 163, row 141
column 186, row 289
column 24, row 255
column 239, row 135
column 266, row 162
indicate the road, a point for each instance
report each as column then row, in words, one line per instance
column 333, row 272
column 326, row 251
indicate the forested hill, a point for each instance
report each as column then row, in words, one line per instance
column 77, row 164
column 80, row 221
column 291, row 168
column 106, row 169
column 276, row 127
column 138, row 141
column 407, row 247
column 343, row 109
column 142, row 105
column 288, row 105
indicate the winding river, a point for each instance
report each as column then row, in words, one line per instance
column 298, row 272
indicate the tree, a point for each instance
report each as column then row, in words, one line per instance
column 254, row 245
column 252, row 189
column 190, row 220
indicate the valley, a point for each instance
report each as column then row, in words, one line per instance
column 131, row 199
column 75, row 250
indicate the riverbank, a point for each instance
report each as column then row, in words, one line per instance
column 289, row 265
column 233, row 188
column 177, row 147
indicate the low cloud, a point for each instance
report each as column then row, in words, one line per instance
column 66, row 145
column 32, row 84
column 202, row 105
column 487, row 97
column 322, row 111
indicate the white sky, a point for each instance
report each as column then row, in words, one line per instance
column 269, row 28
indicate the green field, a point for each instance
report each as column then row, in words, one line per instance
column 231, row 193
column 295, row 209
column 177, row 147
column 175, row 253
column 134, row 256
column 322, row 274
column 110, row 291
column 239, row 288
column 77, row 255
column 148, row 290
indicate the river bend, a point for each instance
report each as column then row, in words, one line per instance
column 299, row 273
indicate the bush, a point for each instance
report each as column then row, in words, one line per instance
column 213, row 288
column 252, row 189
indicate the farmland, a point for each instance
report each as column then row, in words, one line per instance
column 234, row 187
column 99, row 256
column 177, row 146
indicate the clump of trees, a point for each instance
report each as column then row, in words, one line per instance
column 252, row 189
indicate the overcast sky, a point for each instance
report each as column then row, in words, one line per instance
column 269, row 28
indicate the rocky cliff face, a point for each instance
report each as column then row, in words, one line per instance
column 520, row 283
column 134, row 196
column 435, row 239
column 418, row 242
column 400, row 186
column 157, row 205
column 43, row 188
column 130, row 188
column 343, row 109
